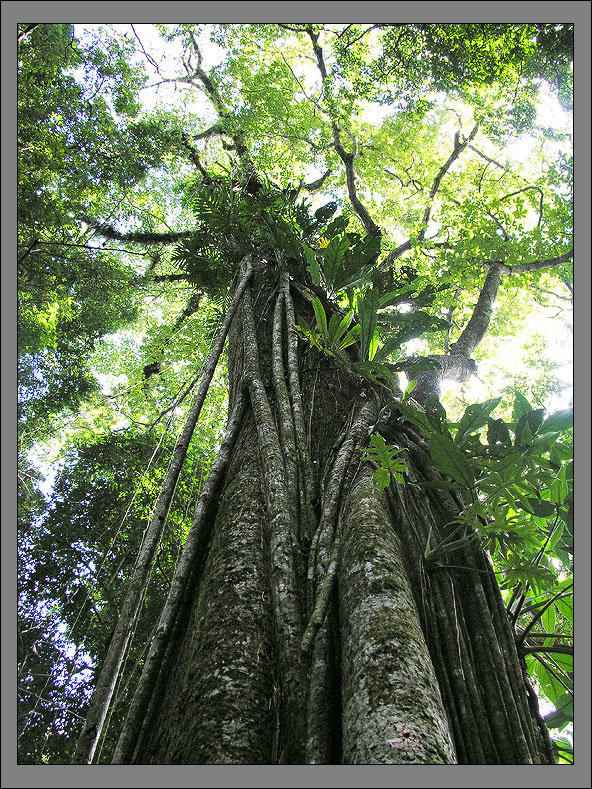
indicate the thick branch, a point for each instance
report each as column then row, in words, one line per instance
column 477, row 326
column 534, row 265
column 29, row 29
column 314, row 185
column 107, row 231
column 563, row 649
column 193, row 154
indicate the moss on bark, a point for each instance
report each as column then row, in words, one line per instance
column 392, row 708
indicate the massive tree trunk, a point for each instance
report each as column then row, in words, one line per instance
column 312, row 629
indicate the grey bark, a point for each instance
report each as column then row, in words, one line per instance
column 403, row 663
column 105, row 686
column 392, row 707
column 219, row 702
column 196, row 542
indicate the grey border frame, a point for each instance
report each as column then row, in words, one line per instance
column 14, row 775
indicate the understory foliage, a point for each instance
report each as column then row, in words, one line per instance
column 235, row 320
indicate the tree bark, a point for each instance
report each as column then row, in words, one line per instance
column 317, row 632
column 392, row 707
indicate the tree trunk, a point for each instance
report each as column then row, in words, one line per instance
column 313, row 629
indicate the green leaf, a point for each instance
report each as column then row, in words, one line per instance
column 350, row 338
column 373, row 345
column 385, row 454
column 544, row 442
column 538, row 507
column 337, row 226
column 392, row 297
column 564, row 662
column 325, row 212
column 304, row 329
column 528, row 425
column 435, row 412
column 408, row 389
column 390, row 345
column 521, row 407
column 559, row 421
column 450, row 460
column 382, row 478
column 416, row 416
column 565, row 607
column 563, row 712
column 321, row 317
column 548, row 619
column 336, row 335
column 333, row 256
column 312, row 265
column 334, row 324
column 560, row 452
column 367, row 317
column 497, row 433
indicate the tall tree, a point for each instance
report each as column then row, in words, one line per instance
column 337, row 597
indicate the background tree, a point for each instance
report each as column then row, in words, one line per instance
column 337, row 596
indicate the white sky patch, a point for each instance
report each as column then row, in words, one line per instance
column 109, row 382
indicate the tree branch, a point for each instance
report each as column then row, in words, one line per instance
column 148, row 57
column 312, row 187
column 26, row 31
column 533, row 265
column 107, row 231
column 459, row 147
column 347, row 158
column 487, row 159
column 477, row 326
column 525, row 189
column 563, row 649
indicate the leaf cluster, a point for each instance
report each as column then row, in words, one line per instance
column 518, row 485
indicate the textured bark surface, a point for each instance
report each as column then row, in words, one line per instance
column 317, row 632
column 219, row 701
column 392, row 707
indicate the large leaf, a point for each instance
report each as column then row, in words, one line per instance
column 538, row 507
column 449, row 460
column 474, row 417
column 333, row 256
column 563, row 712
column 521, row 407
column 367, row 316
column 338, row 326
column 325, row 212
column 436, row 413
column 560, row 421
column 312, row 265
column 321, row 317
column 410, row 325
column 528, row 426
column 497, row 433
column 390, row 346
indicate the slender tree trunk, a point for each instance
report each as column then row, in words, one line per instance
column 316, row 632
